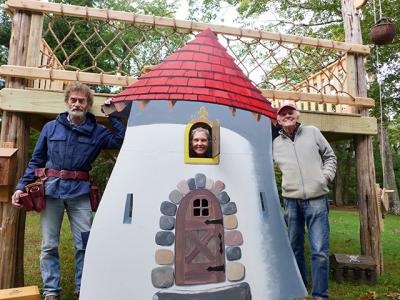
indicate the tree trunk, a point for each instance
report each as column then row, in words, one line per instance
column 24, row 51
column 370, row 235
column 339, row 178
column 389, row 179
column 347, row 171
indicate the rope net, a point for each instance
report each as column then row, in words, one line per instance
column 124, row 49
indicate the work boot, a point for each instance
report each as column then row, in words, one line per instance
column 52, row 297
column 76, row 296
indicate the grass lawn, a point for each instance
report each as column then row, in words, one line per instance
column 344, row 239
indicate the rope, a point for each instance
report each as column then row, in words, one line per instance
column 380, row 96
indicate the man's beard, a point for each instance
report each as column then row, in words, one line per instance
column 78, row 115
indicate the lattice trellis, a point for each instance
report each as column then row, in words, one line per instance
column 120, row 48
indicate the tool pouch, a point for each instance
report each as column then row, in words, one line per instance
column 26, row 201
column 94, row 197
column 36, row 193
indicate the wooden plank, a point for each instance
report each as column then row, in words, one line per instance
column 20, row 293
column 113, row 15
column 41, row 102
column 62, row 75
column 317, row 98
column 52, row 102
column 340, row 123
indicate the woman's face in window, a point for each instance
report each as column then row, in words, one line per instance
column 200, row 143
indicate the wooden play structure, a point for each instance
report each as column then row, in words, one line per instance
column 326, row 79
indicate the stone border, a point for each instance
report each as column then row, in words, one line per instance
column 163, row 275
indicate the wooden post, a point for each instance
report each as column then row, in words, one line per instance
column 24, row 44
column 357, row 86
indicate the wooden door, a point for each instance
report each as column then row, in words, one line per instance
column 199, row 247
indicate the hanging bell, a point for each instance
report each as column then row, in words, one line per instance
column 383, row 32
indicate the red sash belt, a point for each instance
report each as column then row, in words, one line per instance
column 63, row 174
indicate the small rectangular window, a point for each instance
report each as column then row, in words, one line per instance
column 128, row 209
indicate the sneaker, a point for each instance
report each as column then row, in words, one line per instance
column 76, row 296
column 52, row 297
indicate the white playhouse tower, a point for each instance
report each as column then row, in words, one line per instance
column 172, row 226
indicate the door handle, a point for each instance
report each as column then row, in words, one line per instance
column 217, row 221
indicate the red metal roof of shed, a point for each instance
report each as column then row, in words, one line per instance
column 201, row 71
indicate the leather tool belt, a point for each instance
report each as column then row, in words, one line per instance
column 63, row 174
column 34, row 198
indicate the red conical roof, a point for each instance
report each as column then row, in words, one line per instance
column 201, row 71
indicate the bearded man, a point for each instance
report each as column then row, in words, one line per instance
column 63, row 155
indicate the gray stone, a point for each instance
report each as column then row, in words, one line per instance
column 167, row 208
column 165, row 238
column 200, row 181
column 229, row 208
column 162, row 277
column 231, row 292
column 183, row 187
column 233, row 253
column 223, row 198
column 175, row 196
column 192, row 184
column 167, row 222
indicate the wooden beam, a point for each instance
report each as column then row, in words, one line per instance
column 41, row 102
column 62, row 75
column 52, row 103
column 113, row 15
column 95, row 78
column 340, row 123
column 318, row 98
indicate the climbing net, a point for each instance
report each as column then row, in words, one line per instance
column 122, row 48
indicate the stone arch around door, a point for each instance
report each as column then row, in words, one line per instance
column 199, row 231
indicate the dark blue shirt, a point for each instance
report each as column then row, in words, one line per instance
column 64, row 146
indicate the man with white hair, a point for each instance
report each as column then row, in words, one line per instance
column 308, row 164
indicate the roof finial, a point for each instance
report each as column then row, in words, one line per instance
column 203, row 113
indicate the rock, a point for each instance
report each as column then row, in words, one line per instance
column 165, row 238
column 175, row 197
column 233, row 253
column 162, row 277
column 230, row 222
column 167, row 222
column 229, row 208
column 167, row 208
column 233, row 238
column 200, row 180
column 235, row 271
column 164, row 257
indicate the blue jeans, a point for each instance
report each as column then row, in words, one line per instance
column 314, row 214
column 80, row 218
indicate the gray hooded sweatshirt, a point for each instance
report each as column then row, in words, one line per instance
column 308, row 163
